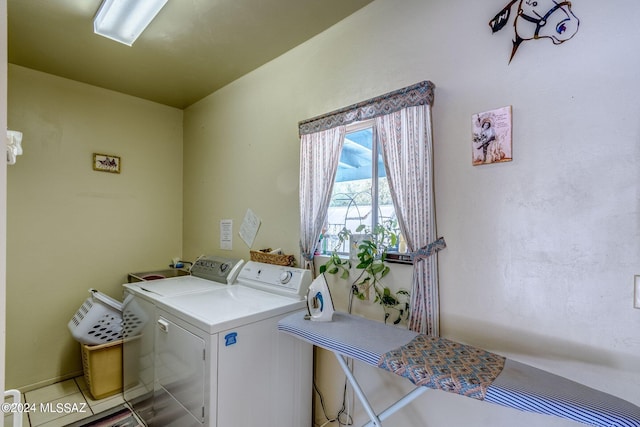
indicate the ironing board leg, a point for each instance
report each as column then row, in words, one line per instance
column 375, row 421
column 401, row 403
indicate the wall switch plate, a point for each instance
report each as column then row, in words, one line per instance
column 636, row 291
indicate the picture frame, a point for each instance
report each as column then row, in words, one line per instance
column 106, row 163
column 491, row 136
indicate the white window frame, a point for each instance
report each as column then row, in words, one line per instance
column 375, row 152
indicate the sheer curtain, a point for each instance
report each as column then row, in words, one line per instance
column 406, row 144
column 319, row 156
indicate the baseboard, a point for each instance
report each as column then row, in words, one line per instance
column 40, row 384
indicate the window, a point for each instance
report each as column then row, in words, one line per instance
column 408, row 110
column 361, row 194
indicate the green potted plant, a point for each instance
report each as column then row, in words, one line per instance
column 371, row 254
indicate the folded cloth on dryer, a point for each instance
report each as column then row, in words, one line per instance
column 446, row 365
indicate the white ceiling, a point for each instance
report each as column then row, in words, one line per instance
column 190, row 50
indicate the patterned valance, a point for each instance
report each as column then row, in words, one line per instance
column 417, row 94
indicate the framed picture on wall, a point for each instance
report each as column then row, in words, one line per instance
column 491, row 131
column 106, row 163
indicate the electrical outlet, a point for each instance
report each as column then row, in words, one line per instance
column 636, row 291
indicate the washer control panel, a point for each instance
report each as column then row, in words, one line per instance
column 289, row 281
column 217, row 269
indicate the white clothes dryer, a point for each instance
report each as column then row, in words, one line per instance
column 139, row 314
column 219, row 360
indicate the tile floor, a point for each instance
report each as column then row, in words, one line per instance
column 62, row 403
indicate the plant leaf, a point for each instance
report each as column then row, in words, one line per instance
column 377, row 267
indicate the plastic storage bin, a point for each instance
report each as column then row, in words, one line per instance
column 98, row 320
column 103, row 368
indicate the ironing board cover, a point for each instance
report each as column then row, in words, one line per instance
column 517, row 385
column 445, row 365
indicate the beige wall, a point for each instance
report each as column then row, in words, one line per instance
column 239, row 154
column 541, row 251
column 71, row 228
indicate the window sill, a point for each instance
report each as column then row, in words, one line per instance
column 393, row 258
column 398, row 258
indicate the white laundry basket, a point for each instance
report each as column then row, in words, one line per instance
column 134, row 317
column 98, row 320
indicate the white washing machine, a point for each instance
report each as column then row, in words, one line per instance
column 218, row 358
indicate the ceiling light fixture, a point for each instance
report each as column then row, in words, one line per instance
column 124, row 20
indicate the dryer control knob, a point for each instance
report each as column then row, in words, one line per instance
column 285, row 277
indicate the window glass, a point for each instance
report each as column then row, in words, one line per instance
column 358, row 198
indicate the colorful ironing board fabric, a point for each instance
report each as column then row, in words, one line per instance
column 446, row 365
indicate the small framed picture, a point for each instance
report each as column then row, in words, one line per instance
column 106, row 163
column 491, row 132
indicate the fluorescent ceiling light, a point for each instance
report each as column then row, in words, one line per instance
column 124, row 20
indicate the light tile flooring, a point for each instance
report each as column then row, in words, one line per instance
column 62, row 403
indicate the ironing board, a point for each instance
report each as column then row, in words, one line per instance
column 516, row 385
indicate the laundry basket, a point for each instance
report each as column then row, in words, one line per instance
column 134, row 317
column 98, row 320
column 102, row 365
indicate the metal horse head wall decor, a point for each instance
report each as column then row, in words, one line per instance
column 538, row 19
